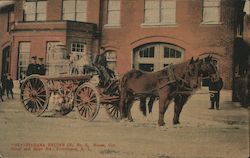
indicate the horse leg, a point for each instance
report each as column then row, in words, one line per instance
column 180, row 101
column 122, row 104
column 143, row 105
column 129, row 106
column 151, row 103
column 163, row 105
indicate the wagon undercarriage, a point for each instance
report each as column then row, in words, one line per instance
column 68, row 92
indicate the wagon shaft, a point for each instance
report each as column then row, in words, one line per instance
column 106, row 99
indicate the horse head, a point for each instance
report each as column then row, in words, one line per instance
column 207, row 68
column 192, row 73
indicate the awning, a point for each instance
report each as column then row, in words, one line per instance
column 6, row 3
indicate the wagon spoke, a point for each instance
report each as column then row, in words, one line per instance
column 90, row 114
column 29, row 105
column 41, row 99
column 40, row 88
column 29, row 85
column 85, row 111
column 80, row 108
column 79, row 100
column 39, row 104
column 92, row 98
column 113, row 109
column 36, row 106
column 92, row 106
column 41, row 95
column 27, row 99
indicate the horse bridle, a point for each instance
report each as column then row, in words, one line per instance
column 183, row 80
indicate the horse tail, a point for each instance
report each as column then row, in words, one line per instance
column 124, row 94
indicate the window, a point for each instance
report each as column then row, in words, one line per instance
column 171, row 53
column 23, row 58
column 146, row 67
column 113, row 18
column 147, row 52
column 35, row 10
column 211, row 11
column 75, row 10
column 157, row 54
column 111, row 59
column 160, row 12
column 77, row 47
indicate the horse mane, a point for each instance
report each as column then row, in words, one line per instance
column 178, row 68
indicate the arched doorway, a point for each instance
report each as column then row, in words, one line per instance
column 6, row 61
column 155, row 56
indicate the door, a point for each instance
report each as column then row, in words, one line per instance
column 6, row 60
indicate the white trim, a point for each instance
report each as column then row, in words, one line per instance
column 148, row 25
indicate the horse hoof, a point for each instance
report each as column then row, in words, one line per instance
column 130, row 120
column 161, row 123
column 176, row 122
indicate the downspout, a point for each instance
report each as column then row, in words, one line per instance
column 99, row 33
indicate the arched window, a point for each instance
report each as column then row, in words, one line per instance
column 155, row 56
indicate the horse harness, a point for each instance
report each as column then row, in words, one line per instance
column 172, row 78
column 180, row 81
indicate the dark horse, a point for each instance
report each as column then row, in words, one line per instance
column 174, row 82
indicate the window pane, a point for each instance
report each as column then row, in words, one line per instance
column 168, row 4
column 166, row 52
column 212, row 3
column 168, row 16
column 81, row 17
column 24, row 53
column 211, row 11
column 152, row 52
column 151, row 16
column 41, row 17
column 30, row 7
column 30, row 17
column 81, row 6
column 69, row 16
column 172, row 53
column 114, row 17
column 168, row 11
column 152, row 4
column 211, row 15
column 68, row 6
column 24, row 47
column 114, row 5
column 41, row 6
column 178, row 54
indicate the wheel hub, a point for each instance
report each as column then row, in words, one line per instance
column 33, row 94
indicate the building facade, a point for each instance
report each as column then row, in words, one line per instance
column 141, row 34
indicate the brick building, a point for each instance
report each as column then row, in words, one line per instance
column 142, row 34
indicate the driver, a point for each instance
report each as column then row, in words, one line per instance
column 106, row 73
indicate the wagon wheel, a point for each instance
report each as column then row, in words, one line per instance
column 113, row 110
column 34, row 95
column 87, row 101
